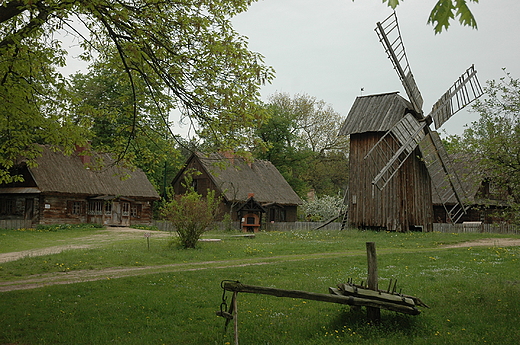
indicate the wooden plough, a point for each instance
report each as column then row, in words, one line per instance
column 368, row 296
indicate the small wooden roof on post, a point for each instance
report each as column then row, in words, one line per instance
column 251, row 205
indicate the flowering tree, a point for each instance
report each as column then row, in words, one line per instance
column 322, row 208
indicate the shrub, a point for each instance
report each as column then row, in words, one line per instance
column 191, row 214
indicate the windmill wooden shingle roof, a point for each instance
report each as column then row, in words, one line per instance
column 375, row 113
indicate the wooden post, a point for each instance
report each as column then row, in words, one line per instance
column 235, row 315
column 373, row 314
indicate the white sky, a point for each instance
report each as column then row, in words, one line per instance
column 329, row 49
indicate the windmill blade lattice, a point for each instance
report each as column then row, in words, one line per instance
column 390, row 37
column 445, row 181
column 464, row 91
column 407, row 133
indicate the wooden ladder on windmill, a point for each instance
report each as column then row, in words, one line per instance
column 413, row 130
column 342, row 215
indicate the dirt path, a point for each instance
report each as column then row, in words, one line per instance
column 56, row 278
column 87, row 242
column 488, row 242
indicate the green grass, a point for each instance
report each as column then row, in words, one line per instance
column 14, row 240
column 474, row 293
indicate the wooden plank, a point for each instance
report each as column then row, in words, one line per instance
column 331, row 298
column 350, row 290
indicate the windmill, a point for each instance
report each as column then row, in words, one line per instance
column 405, row 161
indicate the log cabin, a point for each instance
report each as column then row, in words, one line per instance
column 485, row 198
column 75, row 189
column 250, row 190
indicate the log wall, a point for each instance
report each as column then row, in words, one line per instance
column 405, row 203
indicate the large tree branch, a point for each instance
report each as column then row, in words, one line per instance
column 25, row 31
column 12, row 9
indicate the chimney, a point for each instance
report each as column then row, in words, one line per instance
column 250, row 195
column 83, row 153
column 229, row 154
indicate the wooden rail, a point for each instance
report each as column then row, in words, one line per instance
column 331, row 298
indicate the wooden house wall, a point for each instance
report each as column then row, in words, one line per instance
column 402, row 205
column 57, row 209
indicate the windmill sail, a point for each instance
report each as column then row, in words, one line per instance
column 464, row 91
column 407, row 133
column 390, row 37
column 445, row 181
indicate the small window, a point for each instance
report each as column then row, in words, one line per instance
column 95, row 208
column 7, row 206
column 108, row 208
column 75, row 208
column 126, row 209
column 135, row 211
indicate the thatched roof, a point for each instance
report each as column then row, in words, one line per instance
column 236, row 179
column 467, row 169
column 375, row 113
column 58, row 173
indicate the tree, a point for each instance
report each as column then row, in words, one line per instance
column 301, row 140
column 191, row 214
column 495, row 136
column 323, row 208
column 105, row 100
column 186, row 51
column 446, row 10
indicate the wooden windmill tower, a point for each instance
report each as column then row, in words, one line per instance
column 396, row 160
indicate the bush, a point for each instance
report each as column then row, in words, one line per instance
column 56, row 227
column 191, row 214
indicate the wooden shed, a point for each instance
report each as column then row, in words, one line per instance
column 71, row 190
column 484, row 198
column 238, row 181
column 405, row 203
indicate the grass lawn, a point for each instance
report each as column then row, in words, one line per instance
column 473, row 292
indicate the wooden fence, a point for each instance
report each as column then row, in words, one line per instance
column 280, row 226
column 15, row 224
column 290, row 226
column 477, row 227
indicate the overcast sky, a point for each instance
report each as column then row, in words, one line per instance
column 329, row 49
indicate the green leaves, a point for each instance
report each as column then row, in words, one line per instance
column 446, row 10
column 494, row 138
column 151, row 56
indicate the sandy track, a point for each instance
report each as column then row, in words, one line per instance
column 88, row 242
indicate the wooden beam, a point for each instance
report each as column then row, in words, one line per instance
column 331, row 298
